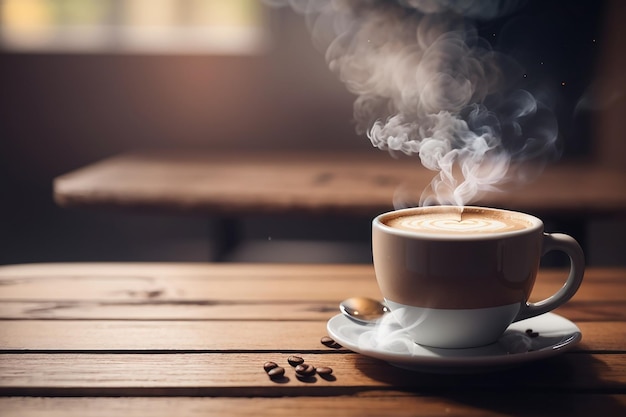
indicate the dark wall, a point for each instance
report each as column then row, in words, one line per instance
column 59, row 112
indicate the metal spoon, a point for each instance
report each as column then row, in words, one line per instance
column 363, row 310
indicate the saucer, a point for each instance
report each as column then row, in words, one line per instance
column 524, row 341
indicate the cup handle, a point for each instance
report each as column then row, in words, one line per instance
column 567, row 244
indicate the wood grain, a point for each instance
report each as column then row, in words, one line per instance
column 236, row 292
column 371, row 403
column 201, row 310
column 354, row 183
column 252, row 335
column 249, row 282
column 190, row 339
column 184, row 310
column 205, row 282
column 242, row 374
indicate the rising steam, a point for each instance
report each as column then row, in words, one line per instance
column 428, row 85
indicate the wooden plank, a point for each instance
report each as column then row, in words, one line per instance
column 275, row 289
column 155, row 270
column 242, row 282
column 374, row 404
column 241, row 375
column 175, row 310
column 161, row 335
column 185, row 282
column 85, row 335
column 574, row 310
column 356, row 183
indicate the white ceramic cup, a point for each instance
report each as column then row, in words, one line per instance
column 463, row 289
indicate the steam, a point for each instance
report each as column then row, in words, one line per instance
column 428, row 86
column 389, row 338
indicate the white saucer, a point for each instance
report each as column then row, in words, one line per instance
column 551, row 335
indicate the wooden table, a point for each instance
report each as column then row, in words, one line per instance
column 227, row 186
column 191, row 339
column 362, row 183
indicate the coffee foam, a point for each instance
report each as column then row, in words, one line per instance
column 452, row 222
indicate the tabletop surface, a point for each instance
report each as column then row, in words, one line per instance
column 354, row 183
column 192, row 339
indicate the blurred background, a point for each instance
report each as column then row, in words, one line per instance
column 82, row 80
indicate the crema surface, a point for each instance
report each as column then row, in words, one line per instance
column 455, row 223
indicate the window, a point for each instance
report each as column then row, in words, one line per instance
column 134, row 26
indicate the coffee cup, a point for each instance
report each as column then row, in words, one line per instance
column 457, row 277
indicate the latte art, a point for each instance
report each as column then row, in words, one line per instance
column 455, row 223
column 452, row 225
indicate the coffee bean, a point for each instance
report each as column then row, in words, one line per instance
column 324, row 370
column 295, row 360
column 327, row 341
column 305, row 370
column 277, row 372
column 330, row 342
column 268, row 366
